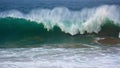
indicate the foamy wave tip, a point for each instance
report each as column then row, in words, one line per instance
column 73, row 22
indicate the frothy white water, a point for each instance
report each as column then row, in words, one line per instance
column 73, row 22
column 119, row 35
column 60, row 58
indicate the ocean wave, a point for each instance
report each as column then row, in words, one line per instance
column 73, row 22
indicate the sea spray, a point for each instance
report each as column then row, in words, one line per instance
column 73, row 22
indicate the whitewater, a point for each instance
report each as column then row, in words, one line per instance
column 73, row 22
column 95, row 57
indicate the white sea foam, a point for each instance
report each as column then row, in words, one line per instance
column 60, row 58
column 73, row 22
column 119, row 35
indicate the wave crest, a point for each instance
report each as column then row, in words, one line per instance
column 86, row 20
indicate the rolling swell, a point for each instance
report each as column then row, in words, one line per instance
column 57, row 25
column 16, row 32
column 21, row 32
column 21, row 27
column 87, row 20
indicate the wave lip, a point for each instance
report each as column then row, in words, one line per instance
column 73, row 22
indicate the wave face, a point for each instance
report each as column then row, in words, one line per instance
column 88, row 20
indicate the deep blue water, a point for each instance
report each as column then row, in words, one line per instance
column 27, row 5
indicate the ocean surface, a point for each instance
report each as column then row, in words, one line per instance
column 59, row 33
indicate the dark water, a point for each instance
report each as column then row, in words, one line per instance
column 59, row 33
column 27, row 5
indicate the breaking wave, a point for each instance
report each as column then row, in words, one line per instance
column 87, row 20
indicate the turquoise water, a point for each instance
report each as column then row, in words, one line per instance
column 21, row 33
